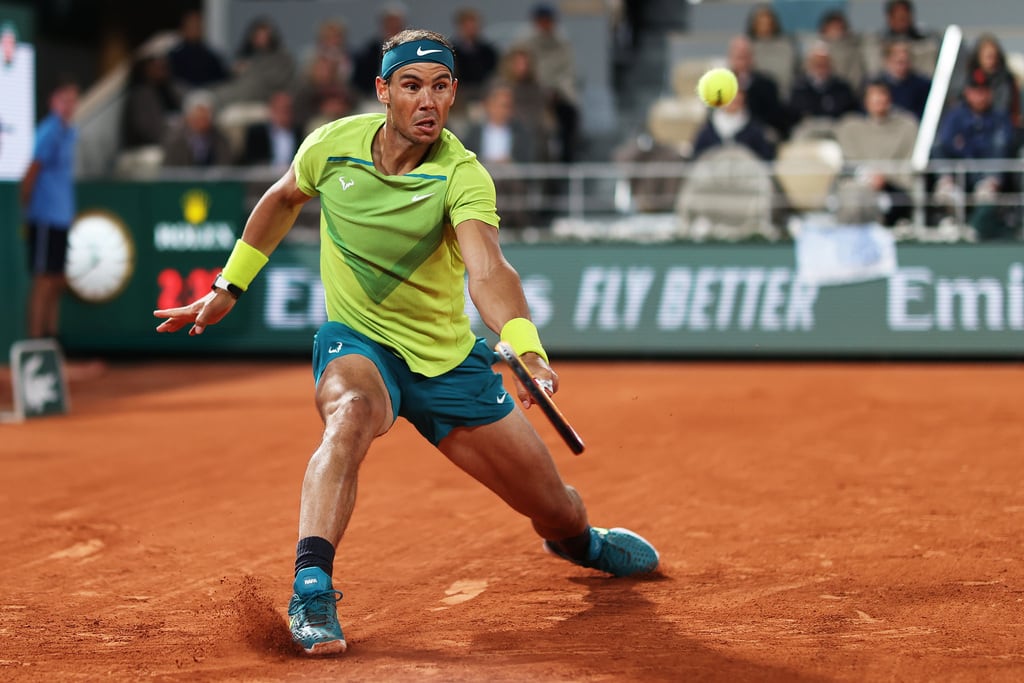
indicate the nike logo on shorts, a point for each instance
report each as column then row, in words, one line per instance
column 501, row 399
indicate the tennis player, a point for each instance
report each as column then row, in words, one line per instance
column 407, row 211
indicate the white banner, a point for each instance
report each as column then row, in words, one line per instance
column 844, row 254
column 17, row 102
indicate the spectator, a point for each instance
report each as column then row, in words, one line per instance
column 775, row 52
column 262, row 66
column 654, row 193
column 196, row 141
column 367, row 59
column 733, row 124
column 193, row 63
column 974, row 130
column 47, row 194
column 500, row 140
column 556, row 71
column 150, row 101
column 762, row 93
column 530, row 104
column 845, row 46
column 900, row 24
column 331, row 49
column 275, row 141
column 885, row 134
column 988, row 55
column 320, row 81
column 476, row 58
column 332, row 104
column 909, row 89
column 819, row 93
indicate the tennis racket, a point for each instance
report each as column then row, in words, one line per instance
column 540, row 397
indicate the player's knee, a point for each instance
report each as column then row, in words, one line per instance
column 353, row 413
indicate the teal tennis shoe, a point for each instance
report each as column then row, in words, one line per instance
column 313, row 613
column 619, row 552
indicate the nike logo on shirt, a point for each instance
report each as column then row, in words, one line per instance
column 417, row 197
column 420, row 51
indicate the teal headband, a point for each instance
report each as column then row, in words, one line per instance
column 413, row 52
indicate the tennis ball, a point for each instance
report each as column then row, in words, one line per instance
column 717, row 87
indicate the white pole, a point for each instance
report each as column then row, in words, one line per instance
column 944, row 66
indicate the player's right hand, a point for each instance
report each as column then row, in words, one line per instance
column 202, row 312
column 543, row 374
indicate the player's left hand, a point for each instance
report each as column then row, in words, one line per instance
column 545, row 377
column 207, row 310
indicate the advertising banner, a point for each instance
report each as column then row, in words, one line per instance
column 18, row 85
column 672, row 300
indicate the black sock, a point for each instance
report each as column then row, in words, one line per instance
column 313, row 551
column 576, row 547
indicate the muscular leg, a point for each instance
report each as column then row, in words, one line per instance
column 355, row 407
column 509, row 458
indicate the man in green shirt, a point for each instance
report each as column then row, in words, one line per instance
column 407, row 213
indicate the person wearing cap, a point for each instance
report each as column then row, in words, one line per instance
column 407, row 213
column 975, row 130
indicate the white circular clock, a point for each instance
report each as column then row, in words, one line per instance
column 101, row 257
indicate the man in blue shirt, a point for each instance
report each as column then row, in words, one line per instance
column 974, row 130
column 48, row 195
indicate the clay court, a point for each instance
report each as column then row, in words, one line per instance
column 817, row 522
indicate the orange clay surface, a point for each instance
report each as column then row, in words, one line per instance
column 860, row 522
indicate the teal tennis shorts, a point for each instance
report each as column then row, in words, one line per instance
column 469, row 395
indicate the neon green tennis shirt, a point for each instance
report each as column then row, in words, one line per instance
column 389, row 259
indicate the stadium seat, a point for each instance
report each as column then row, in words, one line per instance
column 806, row 169
column 814, row 127
column 923, row 55
column 777, row 58
column 141, row 162
column 674, row 121
column 727, row 196
column 233, row 119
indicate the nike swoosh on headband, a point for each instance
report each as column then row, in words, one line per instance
column 420, row 52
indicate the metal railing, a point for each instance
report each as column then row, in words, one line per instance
column 649, row 200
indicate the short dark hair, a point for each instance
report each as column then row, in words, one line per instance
column 878, row 82
column 411, row 34
column 890, row 5
column 543, row 10
column 65, row 80
column 833, row 15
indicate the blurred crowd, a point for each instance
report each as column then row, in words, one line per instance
column 202, row 108
column 866, row 92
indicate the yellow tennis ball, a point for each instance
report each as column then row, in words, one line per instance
column 717, row 87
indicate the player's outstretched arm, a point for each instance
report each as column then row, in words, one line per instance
column 497, row 292
column 271, row 219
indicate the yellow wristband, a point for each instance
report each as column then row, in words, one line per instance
column 244, row 264
column 521, row 334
